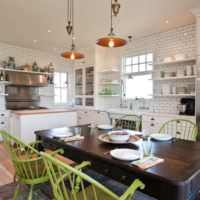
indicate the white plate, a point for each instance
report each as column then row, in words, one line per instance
column 105, row 127
column 125, row 154
column 161, row 137
column 58, row 135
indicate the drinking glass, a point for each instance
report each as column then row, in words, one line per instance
column 93, row 125
column 77, row 130
column 146, row 147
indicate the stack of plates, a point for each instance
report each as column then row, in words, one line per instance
column 180, row 72
column 189, row 70
column 181, row 90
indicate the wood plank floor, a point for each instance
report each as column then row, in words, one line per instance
column 6, row 166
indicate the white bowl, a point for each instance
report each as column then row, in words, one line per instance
column 118, row 137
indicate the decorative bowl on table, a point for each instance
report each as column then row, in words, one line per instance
column 119, row 136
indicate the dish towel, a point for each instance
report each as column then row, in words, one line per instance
column 147, row 162
column 74, row 138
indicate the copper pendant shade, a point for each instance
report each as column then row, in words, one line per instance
column 70, row 29
column 111, row 41
column 72, row 55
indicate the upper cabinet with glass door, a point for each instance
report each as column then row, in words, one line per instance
column 79, row 82
column 84, row 86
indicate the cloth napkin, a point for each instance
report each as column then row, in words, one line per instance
column 147, row 162
column 74, row 138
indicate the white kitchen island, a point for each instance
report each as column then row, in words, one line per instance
column 25, row 122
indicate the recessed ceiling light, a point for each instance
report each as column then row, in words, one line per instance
column 54, row 49
column 167, row 21
column 185, row 34
column 49, row 31
column 17, row 21
column 35, row 41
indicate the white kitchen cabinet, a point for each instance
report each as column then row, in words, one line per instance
column 4, row 121
column 153, row 122
column 84, row 87
column 97, row 116
column 24, row 126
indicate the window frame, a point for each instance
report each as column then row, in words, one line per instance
column 138, row 73
column 61, row 87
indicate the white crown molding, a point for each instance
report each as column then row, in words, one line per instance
column 196, row 11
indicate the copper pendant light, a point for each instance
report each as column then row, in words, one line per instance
column 72, row 54
column 111, row 41
column 70, row 29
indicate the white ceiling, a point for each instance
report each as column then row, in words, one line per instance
column 22, row 21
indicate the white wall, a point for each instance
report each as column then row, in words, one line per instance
column 176, row 41
column 25, row 55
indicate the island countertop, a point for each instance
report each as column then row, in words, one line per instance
column 42, row 111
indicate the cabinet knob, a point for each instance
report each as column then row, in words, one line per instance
column 106, row 171
column 2, row 122
column 85, row 112
column 80, row 118
column 124, row 178
column 178, row 132
column 152, row 119
column 152, row 125
column 2, row 114
column 98, row 112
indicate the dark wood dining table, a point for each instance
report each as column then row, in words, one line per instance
column 177, row 178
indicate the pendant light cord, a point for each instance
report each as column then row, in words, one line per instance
column 111, row 29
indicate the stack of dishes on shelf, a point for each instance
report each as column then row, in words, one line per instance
column 189, row 70
column 168, row 74
column 180, row 72
column 181, row 90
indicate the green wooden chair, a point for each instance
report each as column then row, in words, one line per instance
column 29, row 165
column 130, row 122
column 180, row 128
column 77, row 180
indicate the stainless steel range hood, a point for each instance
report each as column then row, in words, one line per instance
column 26, row 79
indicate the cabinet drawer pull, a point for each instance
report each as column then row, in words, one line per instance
column 178, row 121
column 98, row 112
column 106, row 171
column 2, row 114
column 124, row 178
column 178, row 132
column 2, row 122
column 80, row 118
column 85, row 112
column 152, row 119
column 152, row 125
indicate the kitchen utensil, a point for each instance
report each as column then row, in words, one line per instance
column 125, row 154
column 161, row 137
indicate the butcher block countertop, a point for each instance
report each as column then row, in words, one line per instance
column 42, row 111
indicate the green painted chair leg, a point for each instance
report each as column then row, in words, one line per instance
column 16, row 191
column 31, row 193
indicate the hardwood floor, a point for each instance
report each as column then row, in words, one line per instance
column 6, row 166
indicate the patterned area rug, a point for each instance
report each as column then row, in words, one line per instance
column 45, row 192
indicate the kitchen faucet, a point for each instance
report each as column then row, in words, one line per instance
column 144, row 104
